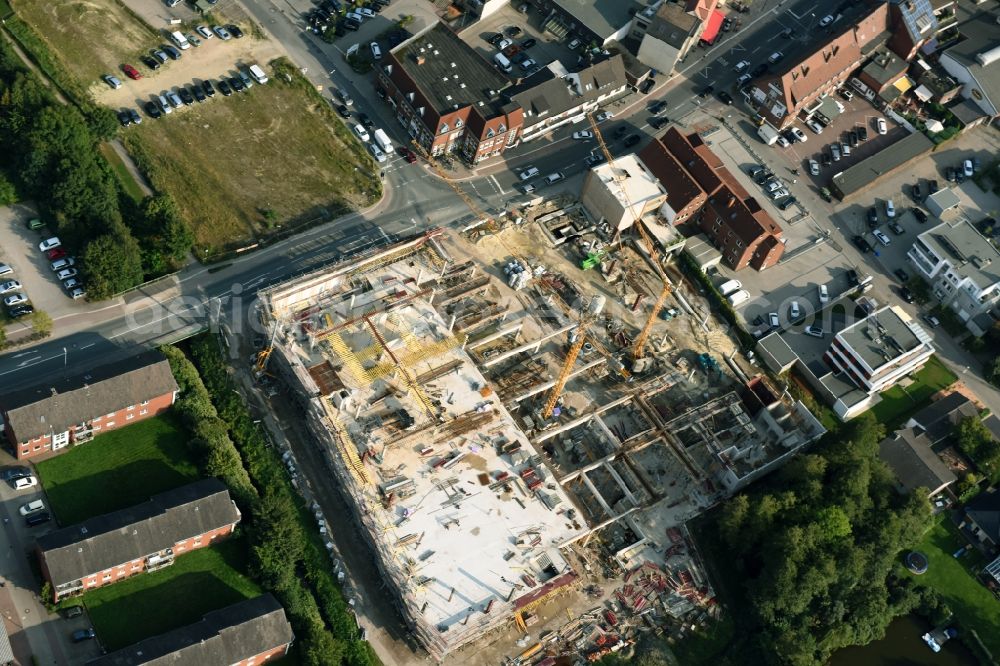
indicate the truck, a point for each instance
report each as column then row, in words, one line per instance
column 768, row 134
column 382, row 139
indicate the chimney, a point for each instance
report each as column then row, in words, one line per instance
column 731, row 202
column 420, row 59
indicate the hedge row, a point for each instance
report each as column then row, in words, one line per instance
column 287, row 555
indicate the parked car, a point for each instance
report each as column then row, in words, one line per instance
column 835, row 151
column 814, row 331
column 658, row 108
column 881, row 237
column 161, row 56
column 896, row 228
column 826, row 20
column 799, row 135
column 902, row 275
column 725, row 97
column 777, row 194
column 919, row 214
column 646, row 86
column 787, row 202
column 872, row 217
column 36, row 519
column 881, row 126
column 66, row 273
column 846, row 94
column 49, row 243
column 632, row 139
column 824, row 293
column 862, row 244
column 376, row 50
column 186, row 97
column 531, row 41
column 658, row 122
column 9, row 286
column 236, row 84
column 604, row 115
column 113, row 81
column 361, row 132
column 906, row 294
column 150, row 62
column 72, row 612
column 583, row 135
column 199, row 94
column 152, row 110
column 890, row 209
column 773, row 320
column 853, row 278
column 55, row 253
column 814, row 126
column 24, row 482
column 81, row 635
column 932, row 321
column 204, row 32
column 173, row 53
column 60, row 264
column 131, row 72
column 31, row 507
column 793, row 311
column 206, row 85
column 554, row 178
column 20, row 311
column 221, row 33
column 967, row 168
column 77, row 293
column 813, row 167
column 235, row 31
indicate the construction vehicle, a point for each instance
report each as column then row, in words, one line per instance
column 594, row 258
column 640, row 342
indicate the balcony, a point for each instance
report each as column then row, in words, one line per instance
column 69, row 589
column 160, row 560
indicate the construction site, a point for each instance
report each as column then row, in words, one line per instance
column 510, row 426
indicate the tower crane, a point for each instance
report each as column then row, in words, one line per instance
column 640, row 341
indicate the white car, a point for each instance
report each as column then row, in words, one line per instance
column 376, row 51
column 9, row 286
column 503, row 43
column 783, row 142
column 799, row 135
column 354, row 16
column 890, row 209
column 743, row 79
column 527, row 188
column 825, row 21
column 31, row 507
column 78, row 292
column 583, row 135
column 364, row 11
column 881, row 126
column 814, row 126
column 740, row 66
column 528, row 173
column 824, row 294
column 881, row 237
column 362, row 133
column 773, row 186
column 554, row 178
column 25, row 482
column 204, row 32
column 604, row 115
column 48, row 244
column 793, row 311
column 113, row 81
column 222, row 33
column 5, row 269
column 775, row 57
column 814, row 167
column 66, row 273
column 814, row 331
column 967, row 168
column 773, row 320
column 60, row 264
column 15, row 299
column 777, row 194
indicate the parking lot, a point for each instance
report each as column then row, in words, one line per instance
column 546, row 49
column 19, row 250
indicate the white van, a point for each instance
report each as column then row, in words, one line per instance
column 729, row 287
column 180, row 41
column 738, row 297
column 383, row 141
column 258, row 74
column 502, row 62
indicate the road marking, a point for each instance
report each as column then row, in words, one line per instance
column 497, row 184
column 88, row 346
column 24, row 353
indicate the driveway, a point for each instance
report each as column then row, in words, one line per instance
column 19, row 249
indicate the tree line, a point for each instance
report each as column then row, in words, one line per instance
column 49, row 152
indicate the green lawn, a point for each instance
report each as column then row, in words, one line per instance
column 150, row 604
column 118, row 469
column 898, row 404
column 954, row 579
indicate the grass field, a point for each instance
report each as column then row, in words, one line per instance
column 89, row 38
column 128, row 183
column 898, row 403
column 117, row 469
column 277, row 147
column 954, row 579
column 149, row 604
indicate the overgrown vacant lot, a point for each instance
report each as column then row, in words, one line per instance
column 90, row 37
column 276, row 147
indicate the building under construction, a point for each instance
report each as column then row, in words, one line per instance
column 437, row 394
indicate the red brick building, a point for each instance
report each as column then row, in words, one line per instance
column 447, row 96
column 702, row 190
column 51, row 416
column 248, row 633
column 145, row 537
column 780, row 96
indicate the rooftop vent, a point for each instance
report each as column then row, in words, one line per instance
column 420, row 59
column 988, row 57
column 436, row 52
column 448, row 97
column 461, row 85
column 454, row 65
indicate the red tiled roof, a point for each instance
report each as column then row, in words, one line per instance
column 681, row 187
column 712, row 26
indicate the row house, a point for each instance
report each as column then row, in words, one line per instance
column 248, row 633
column 48, row 417
column 702, row 191
column 142, row 538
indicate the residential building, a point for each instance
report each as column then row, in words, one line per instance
column 447, row 96
column 982, row 518
column 145, row 537
column 915, row 23
column 938, row 420
column 942, row 202
column 865, row 174
column 975, row 60
column 908, row 452
column 864, row 358
column 735, row 222
column 248, row 633
column 879, row 350
column 963, row 268
column 670, row 34
column 554, row 97
column 780, row 96
column 52, row 415
column 622, row 192
column 885, row 73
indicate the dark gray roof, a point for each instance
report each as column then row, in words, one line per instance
column 884, row 66
column 909, row 455
column 984, row 509
column 57, row 405
column 107, row 541
column 939, row 419
column 992, row 423
column 881, row 164
column 603, row 17
column 448, row 71
column 226, row 636
column 544, row 94
column 980, row 34
column 672, row 24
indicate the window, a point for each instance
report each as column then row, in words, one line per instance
column 131, row 407
column 129, row 417
column 106, row 577
column 144, row 403
column 501, row 129
column 111, row 415
column 109, row 423
column 458, row 122
column 143, row 412
column 98, row 418
column 444, row 128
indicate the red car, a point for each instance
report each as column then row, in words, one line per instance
column 131, row 72
column 56, row 253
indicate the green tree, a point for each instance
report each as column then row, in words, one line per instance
column 8, row 193
column 976, row 441
column 111, row 264
column 993, row 371
column 41, row 322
